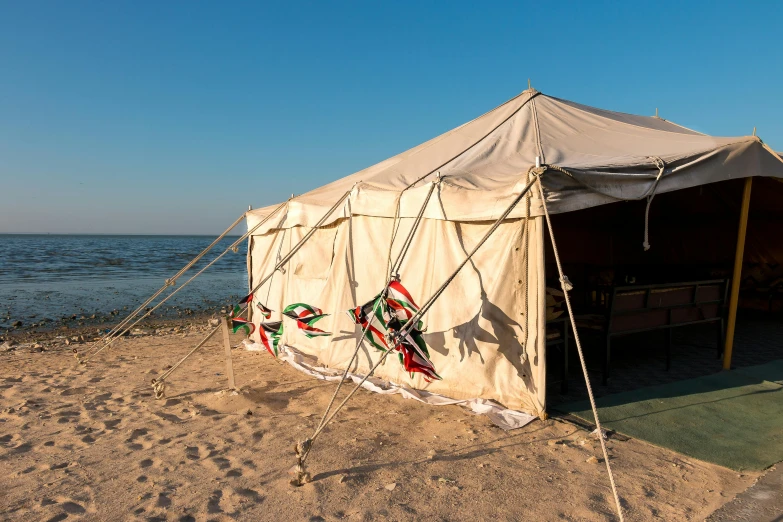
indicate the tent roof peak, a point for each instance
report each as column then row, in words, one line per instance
column 609, row 154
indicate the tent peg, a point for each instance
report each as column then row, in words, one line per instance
column 538, row 162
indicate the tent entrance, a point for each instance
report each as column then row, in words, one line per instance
column 693, row 236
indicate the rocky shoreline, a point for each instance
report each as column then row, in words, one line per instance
column 80, row 332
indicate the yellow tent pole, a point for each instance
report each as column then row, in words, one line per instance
column 735, row 280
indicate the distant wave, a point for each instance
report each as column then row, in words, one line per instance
column 108, row 261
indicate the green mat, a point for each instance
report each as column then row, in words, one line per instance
column 734, row 419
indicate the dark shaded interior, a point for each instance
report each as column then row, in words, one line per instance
column 693, row 235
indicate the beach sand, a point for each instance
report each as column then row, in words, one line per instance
column 91, row 443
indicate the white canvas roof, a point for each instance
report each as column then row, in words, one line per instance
column 611, row 155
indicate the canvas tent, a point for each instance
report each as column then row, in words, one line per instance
column 486, row 333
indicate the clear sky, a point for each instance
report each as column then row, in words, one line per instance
column 173, row 117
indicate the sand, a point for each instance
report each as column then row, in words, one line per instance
column 91, row 443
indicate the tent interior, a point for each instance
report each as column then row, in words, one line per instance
column 693, row 237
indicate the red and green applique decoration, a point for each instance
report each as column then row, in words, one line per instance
column 270, row 334
column 394, row 307
column 237, row 323
column 306, row 316
column 265, row 312
column 414, row 356
column 370, row 317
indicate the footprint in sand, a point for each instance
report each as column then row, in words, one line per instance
column 72, row 508
column 81, row 429
column 163, row 500
column 192, row 452
column 111, row 424
column 250, row 494
column 73, row 391
column 7, row 440
column 66, row 507
column 221, row 463
column 169, row 417
column 133, row 443
column 64, row 417
column 213, row 505
column 22, row 448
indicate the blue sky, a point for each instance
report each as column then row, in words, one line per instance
column 173, row 117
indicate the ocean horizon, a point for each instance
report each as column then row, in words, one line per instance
column 47, row 279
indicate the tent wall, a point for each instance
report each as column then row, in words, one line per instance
column 481, row 340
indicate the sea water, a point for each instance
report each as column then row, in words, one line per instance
column 51, row 278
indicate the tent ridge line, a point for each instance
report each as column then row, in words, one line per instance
column 533, row 94
column 441, row 137
column 573, row 105
column 536, row 125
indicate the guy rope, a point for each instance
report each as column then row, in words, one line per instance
column 392, row 271
column 566, row 286
column 173, row 280
column 126, row 327
column 304, row 447
column 158, row 384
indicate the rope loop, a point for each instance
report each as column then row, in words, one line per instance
column 302, row 476
column 566, row 283
column 159, row 388
column 650, row 195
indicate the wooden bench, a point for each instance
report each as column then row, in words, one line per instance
column 645, row 308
